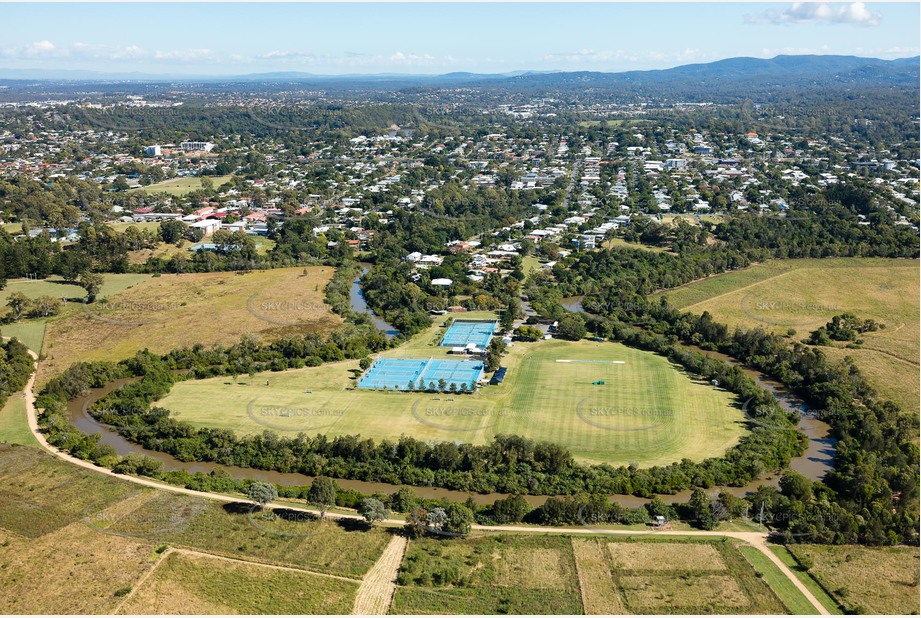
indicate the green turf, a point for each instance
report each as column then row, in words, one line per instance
column 817, row 591
column 648, row 411
column 146, row 225
column 30, row 332
column 529, row 264
column 13, row 426
column 55, row 286
column 789, row 594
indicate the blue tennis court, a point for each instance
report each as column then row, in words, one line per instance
column 397, row 373
column 462, row 332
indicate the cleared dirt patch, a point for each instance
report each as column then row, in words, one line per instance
column 666, row 557
column 599, row 595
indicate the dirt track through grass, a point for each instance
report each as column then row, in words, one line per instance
column 379, row 584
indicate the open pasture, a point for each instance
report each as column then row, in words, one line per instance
column 171, row 311
column 802, row 295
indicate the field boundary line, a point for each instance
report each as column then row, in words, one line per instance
column 901, row 359
column 733, row 291
column 143, row 580
column 292, row 569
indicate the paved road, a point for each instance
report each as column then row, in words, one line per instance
column 756, row 539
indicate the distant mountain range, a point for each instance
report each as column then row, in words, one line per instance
column 724, row 77
column 286, row 76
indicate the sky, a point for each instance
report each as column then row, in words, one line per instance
column 431, row 38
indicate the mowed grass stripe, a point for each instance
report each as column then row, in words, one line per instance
column 789, row 594
column 14, row 428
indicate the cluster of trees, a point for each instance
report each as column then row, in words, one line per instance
column 390, row 291
column 21, row 306
column 15, row 368
column 844, row 327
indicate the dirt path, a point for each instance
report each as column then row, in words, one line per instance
column 762, row 546
column 379, row 584
column 398, row 545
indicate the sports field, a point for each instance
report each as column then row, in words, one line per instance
column 180, row 186
column 647, row 411
column 463, row 332
column 804, row 294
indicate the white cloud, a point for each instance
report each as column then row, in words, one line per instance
column 40, row 48
column 185, row 55
column 855, row 13
column 86, row 51
column 588, row 56
column 416, row 59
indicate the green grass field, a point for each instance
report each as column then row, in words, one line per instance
column 648, row 410
column 55, row 286
column 180, row 186
column 789, row 594
column 866, row 580
column 30, row 332
column 805, row 294
column 13, row 426
column 803, row 575
column 146, row 225
column 529, row 264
